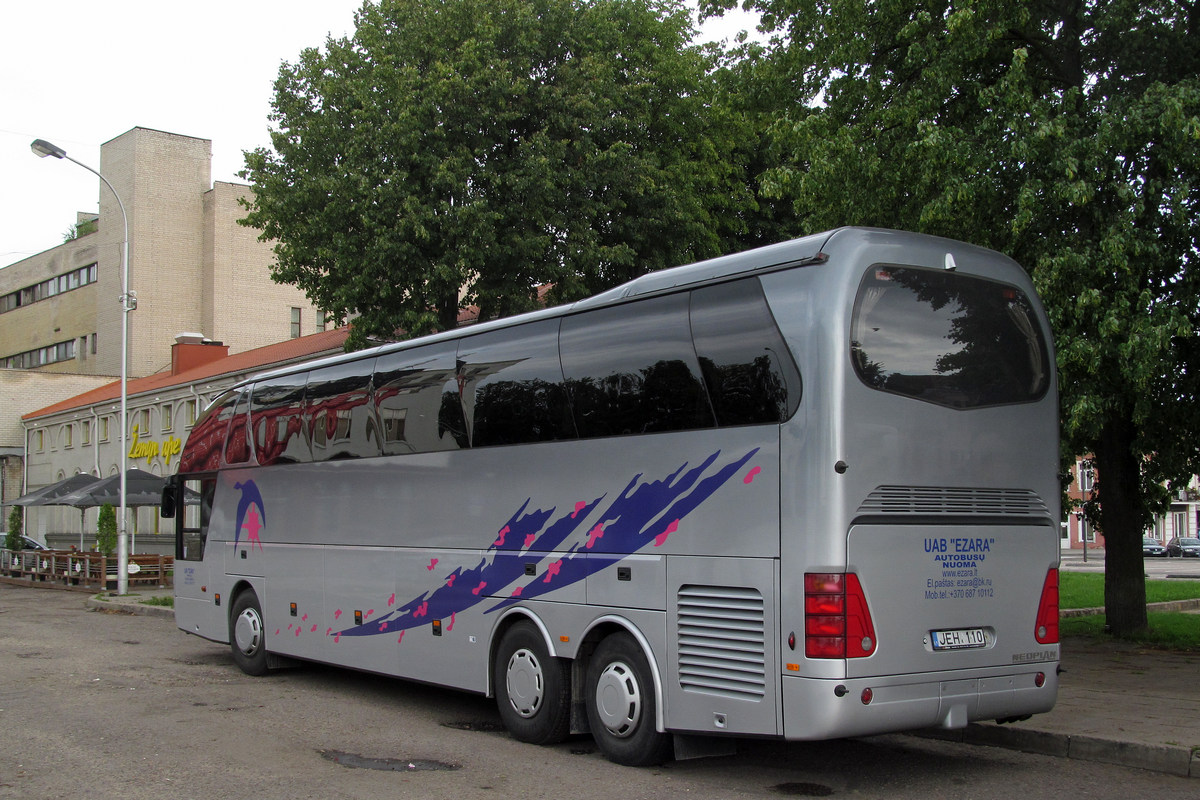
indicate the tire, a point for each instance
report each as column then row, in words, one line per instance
column 533, row 689
column 621, row 706
column 247, row 637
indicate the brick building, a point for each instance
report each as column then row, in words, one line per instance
column 191, row 266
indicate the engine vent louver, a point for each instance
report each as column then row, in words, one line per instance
column 941, row 501
column 722, row 649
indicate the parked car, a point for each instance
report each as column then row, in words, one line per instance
column 27, row 543
column 1152, row 547
column 1184, row 546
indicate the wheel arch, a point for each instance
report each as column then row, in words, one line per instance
column 509, row 619
column 605, row 626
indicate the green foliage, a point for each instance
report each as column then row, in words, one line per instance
column 1063, row 133
column 1165, row 630
column 16, row 521
column 490, row 146
column 106, row 530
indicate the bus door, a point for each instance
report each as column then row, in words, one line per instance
column 196, row 609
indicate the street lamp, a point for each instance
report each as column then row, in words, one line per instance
column 42, row 148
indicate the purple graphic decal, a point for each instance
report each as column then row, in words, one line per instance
column 251, row 514
column 645, row 512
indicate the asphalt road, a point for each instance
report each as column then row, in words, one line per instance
column 109, row 705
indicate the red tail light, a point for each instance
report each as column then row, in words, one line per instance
column 1046, row 631
column 837, row 621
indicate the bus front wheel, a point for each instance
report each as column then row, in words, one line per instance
column 247, row 638
column 532, row 687
column 621, row 704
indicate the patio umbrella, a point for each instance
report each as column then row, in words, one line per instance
column 141, row 489
column 49, row 495
column 52, row 495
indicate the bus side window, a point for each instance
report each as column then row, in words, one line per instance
column 513, row 386
column 340, row 421
column 196, row 501
column 237, row 443
column 416, row 411
column 276, row 418
column 750, row 374
column 207, row 439
column 632, row 369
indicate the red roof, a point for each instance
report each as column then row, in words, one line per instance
column 249, row 361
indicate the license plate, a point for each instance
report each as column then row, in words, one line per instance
column 960, row 639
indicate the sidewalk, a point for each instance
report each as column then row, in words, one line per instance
column 133, row 603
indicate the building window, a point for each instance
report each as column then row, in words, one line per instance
column 85, row 432
column 190, row 412
column 321, row 321
column 1086, row 476
column 103, row 429
column 39, row 441
column 68, row 435
column 141, row 421
column 48, row 288
column 295, row 332
column 168, row 418
column 41, row 356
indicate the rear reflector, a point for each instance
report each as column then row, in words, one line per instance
column 1046, row 630
column 837, row 621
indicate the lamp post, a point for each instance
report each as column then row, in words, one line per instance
column 42, row 148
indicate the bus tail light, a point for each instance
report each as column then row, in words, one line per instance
column 1046, row 631
column 837, row 621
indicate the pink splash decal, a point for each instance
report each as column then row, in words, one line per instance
column 277, row 631
column 479, row 588
column 662, row 537
column 328, row 631
column 450, row 627
column 383, row 626
column 337, row 613
column 595, row 534
column 517, row 591
column 579, row 506
column 392, row 600
column 253, row 525
column 749, row 479
column 450, row 580
column 304, row 618
column 421, row 610
column 337, row 638
column 500, row 540
column 552, row 570
column 400, row 638
column 289, row 626
column 529, row 540
column 313, row 629
column 297, row 630
column 432, row 564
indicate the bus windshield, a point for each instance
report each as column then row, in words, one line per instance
column 947, row 338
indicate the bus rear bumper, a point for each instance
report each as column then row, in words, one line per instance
column 820, row 708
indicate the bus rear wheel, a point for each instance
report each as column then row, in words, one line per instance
column 532, row 687
column 247, row 639
column 621, row 705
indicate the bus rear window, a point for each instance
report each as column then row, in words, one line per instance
column 947, row 338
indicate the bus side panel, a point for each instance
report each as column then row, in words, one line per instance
column 195, row 609
column 722, row 673
column 293, row 604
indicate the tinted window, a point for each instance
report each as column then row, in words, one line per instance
column 207, row 439
column 512, row 386
column 417, row 402
column 237, row 444
column 194, row 514
column 632, row 369
column 277, row 420
column 338, row 407
column 750, row 375
column 947, row 338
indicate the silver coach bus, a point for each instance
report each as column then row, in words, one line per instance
column 805, row 491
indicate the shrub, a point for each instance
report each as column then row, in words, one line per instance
column 12, row 539
column 106, row 530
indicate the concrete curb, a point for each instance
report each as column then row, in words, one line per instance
column 1170, row 605
column 127, row 605
column 1169, row 759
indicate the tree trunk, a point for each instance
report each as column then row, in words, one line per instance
column 1121, row 521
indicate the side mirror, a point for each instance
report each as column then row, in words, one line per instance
column 167, row 508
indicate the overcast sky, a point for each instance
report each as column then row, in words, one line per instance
column 197, row 69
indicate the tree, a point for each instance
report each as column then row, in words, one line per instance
column 457, row 152
column 106, row 530
column 1062, row 132
column 16, row 522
